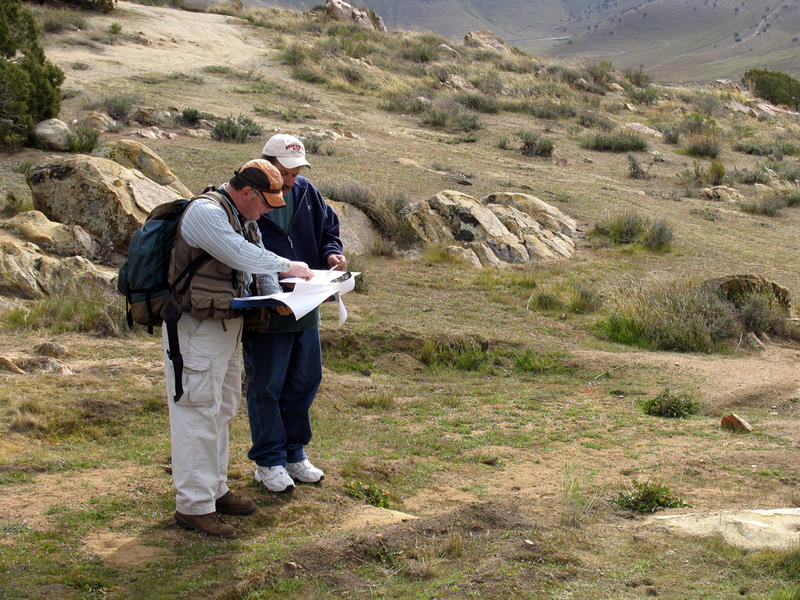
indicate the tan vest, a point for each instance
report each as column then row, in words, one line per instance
column 208, row 294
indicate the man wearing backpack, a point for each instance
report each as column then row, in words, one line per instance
column 284, row 364
column 220, row 223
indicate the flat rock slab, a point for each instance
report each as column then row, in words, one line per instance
column 777, row 528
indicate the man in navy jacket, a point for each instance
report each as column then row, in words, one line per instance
column 284, row 364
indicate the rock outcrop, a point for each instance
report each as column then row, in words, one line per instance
column 55, row 238
column 736, row 286
column 355, row 229
column 501, row 228
column 105, row 198
column 135, row 155
column 487, row 40
column 338, row 10
column 25, row 271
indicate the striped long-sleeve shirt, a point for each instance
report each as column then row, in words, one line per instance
column 205, row 225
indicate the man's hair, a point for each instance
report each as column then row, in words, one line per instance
column 237, row 183
column 271, row 159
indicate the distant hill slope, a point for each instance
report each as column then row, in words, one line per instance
column 674, row 40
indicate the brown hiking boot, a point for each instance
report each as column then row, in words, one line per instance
column 211, row 524
column 231, row 504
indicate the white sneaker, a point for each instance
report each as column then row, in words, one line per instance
column 305, row 472
column 275, row 479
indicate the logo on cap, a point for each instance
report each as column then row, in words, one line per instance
column 294, row 148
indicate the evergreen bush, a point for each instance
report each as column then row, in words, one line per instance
column 29, row 83
column 774, row 86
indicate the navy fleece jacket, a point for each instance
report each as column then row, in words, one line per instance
column 313, row 236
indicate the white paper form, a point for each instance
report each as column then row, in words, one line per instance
column 307, row 295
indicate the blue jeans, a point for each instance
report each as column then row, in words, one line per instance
column 283, row 371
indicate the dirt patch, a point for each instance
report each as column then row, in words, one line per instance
column 364, row 517
column 123, row 551
column 28, row 504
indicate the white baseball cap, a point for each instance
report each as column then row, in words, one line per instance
column 289, row 150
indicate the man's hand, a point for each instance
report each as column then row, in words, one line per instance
column 298, row 269
column 337, row 261
column 282, row 310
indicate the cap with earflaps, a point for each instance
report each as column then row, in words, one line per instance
column 261, row 175
column 289, row 150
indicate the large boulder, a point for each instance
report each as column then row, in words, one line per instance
column 339, row 10
column 487, row 40
column 135, row 155
column 27, row 272
column 53, row 134
column 736, row 286
column 56, row 238
column 503, row 228
column 357, row 233
column 105, row 198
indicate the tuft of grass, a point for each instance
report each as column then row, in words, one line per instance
column 383, row 208
column 530, row 361
column 585, row 299
column 668, row 404
column 647, row 497
column 478, row 102
column 672, row 133
column 703, row 144
column 86, row 308
column 191, row 116
column 118, row 106
column 536, row 143
column 546, row 301
column 673, row 316
column 370, row 493
column 768, row 206
column 631, row 228
column 464, row 356
column 379, row 401
column 576, row 503
column 614, row 141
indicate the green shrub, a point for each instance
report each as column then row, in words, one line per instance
column 600, row 72
column 478, row 102
column 716, row 172
column 751, row 176
column 536, row 143
column 647, row 497
column 672, row 133
column 703, row 144
column 115, row 29
column 118, row 106
column 83, row 140
column 309, row 74
column 657, row 236
column 636, row 77
column 370, row 493
column 294, row 54
column 589, row 118
column 635, row 170
column 29, row 83
column 699, row 124
column 761, row 312
column 668, row 404
column 502, row 143
column 616, row 141
column 768, row 206
column 774, row 86
column 646, row 96
column 191, row 116
column 235, row 129
column 775, row 147
column 410, row 101
column 312, row 143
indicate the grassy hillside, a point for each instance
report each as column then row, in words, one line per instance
column 676, row 41
column 486, row 433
